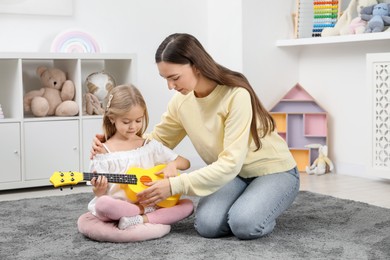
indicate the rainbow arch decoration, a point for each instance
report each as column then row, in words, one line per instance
column 74, row 41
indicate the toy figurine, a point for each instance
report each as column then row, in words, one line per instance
column 1, row 113
column 322, row 164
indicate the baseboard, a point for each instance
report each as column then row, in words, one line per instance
column 359, row 170
column 342, row 168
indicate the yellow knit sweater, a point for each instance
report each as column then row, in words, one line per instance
column 219, row 128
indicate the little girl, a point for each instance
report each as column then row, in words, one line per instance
column 124, row 122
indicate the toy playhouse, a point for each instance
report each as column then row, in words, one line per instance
column 301, row 121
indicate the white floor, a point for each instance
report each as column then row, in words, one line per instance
column 375, row 192
column 41, row 192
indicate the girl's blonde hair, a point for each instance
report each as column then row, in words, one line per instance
column 117, row 103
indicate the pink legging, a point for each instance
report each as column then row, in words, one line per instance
column 109, row 209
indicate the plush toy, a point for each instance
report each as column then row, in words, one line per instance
column 346, row 18
column 98, row 84
column 1, row 112
column 54, row 98
column 92, row 105
column 377, row 16
column 322, row 164
column 357, row 26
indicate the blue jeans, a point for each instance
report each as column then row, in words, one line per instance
column 247, row 208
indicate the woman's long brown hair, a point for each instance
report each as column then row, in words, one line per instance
column 182, row 48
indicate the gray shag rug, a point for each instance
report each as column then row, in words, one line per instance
column 315, row 227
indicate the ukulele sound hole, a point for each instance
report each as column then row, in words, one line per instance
column 145, row 179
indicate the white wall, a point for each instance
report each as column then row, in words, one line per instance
column 225, row 32
column 336, row 76
column 133, row 26
column 271, row 71
column 238, row 34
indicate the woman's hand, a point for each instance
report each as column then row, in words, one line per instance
column 157, row 192
column 97, row 146
column 100, row 185
column 169, row 170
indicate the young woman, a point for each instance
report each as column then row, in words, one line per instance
column 124, row 122
column 251, row 177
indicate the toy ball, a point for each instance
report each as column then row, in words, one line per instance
column 99, row 84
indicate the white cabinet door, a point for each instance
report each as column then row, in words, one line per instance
column 51, row 146
column 91, row 127
column 10, row 152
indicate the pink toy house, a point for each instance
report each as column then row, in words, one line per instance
column 300, row 120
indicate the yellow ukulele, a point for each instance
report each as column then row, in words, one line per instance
column 132, row 182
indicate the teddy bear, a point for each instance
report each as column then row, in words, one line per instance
column 322, row 164
column 377, row 17
column 54, row 98
column 98, row 84
column 344, row 21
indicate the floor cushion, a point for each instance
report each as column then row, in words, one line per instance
column 95, row 229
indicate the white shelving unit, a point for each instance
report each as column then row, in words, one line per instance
column 328, row 53
column 353, row 38
column 33, row 148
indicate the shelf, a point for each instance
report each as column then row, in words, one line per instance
column 365, row 37
column 9, row 120
column 66, row 56
column 297, row 107
column 281, row 122
column 315, row 125
column 300, row 121
column 302, row 158
column 55, row 137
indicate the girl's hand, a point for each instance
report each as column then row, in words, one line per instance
column 100, row 185
column 157, row 192
column 97, row 146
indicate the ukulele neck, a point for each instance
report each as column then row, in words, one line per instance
column 112, row 177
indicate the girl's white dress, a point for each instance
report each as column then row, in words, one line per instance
column 147, row 156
